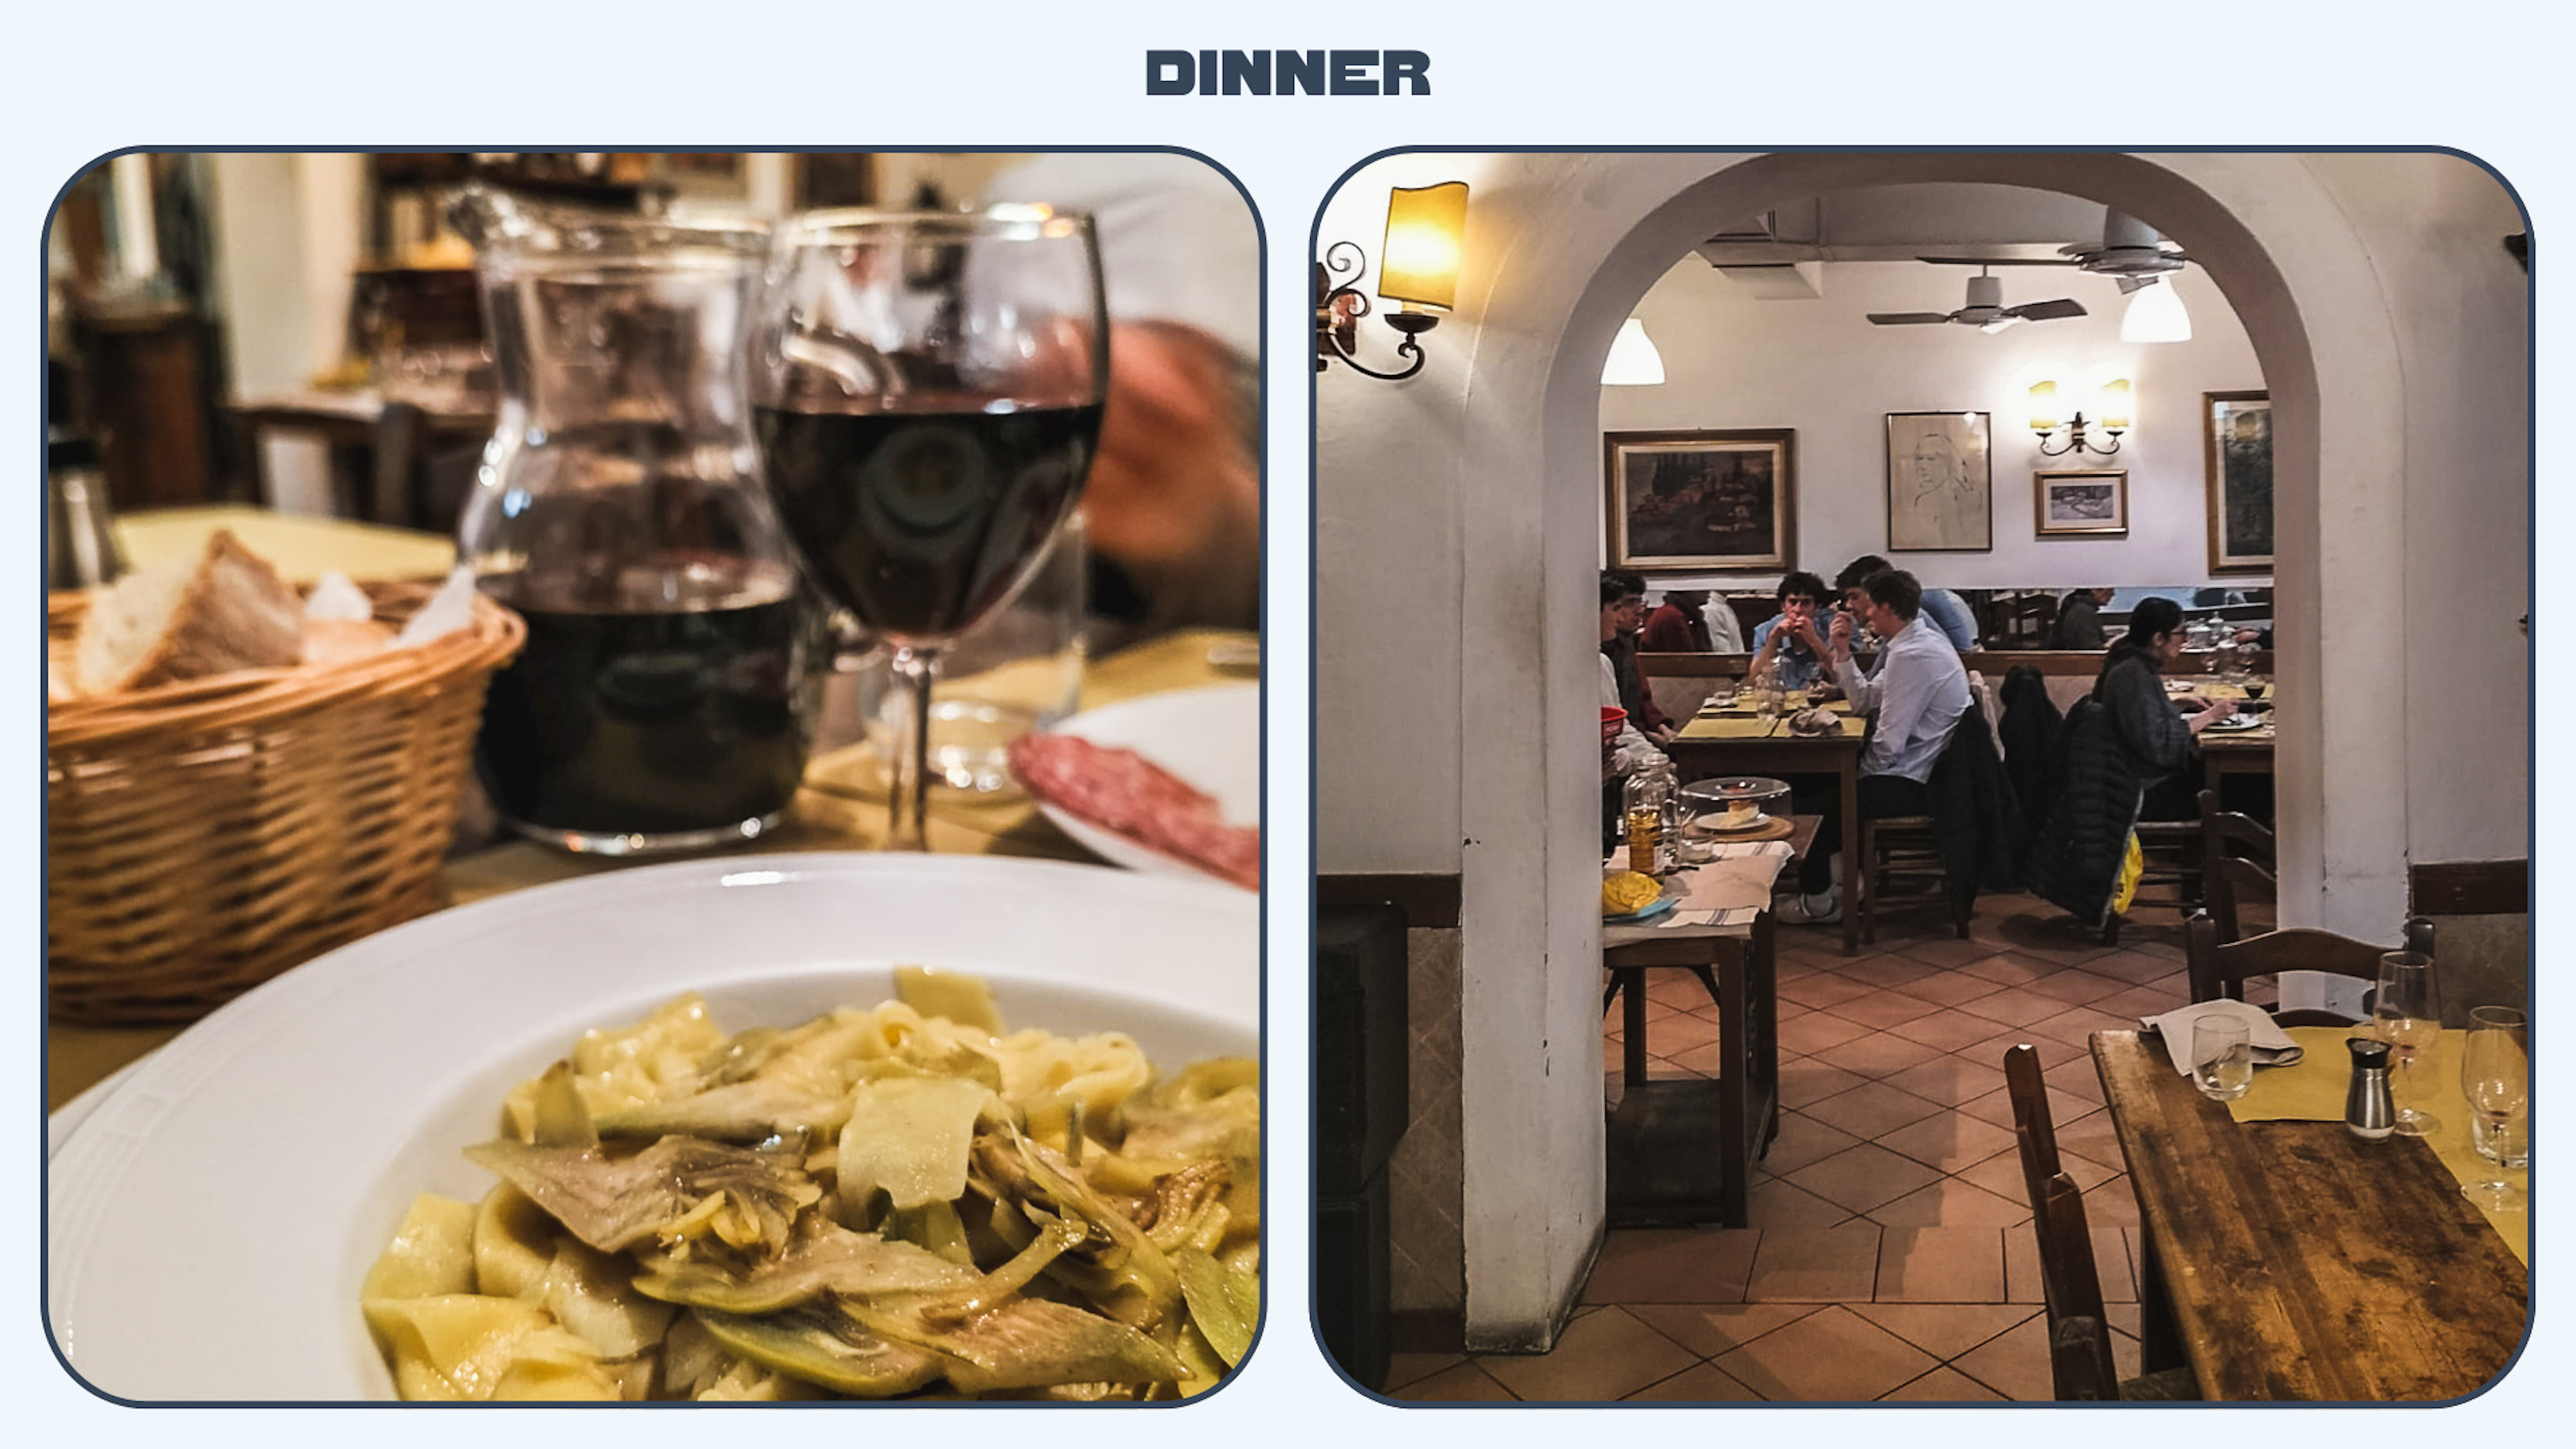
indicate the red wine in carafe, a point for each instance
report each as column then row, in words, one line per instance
column 920, row 523
column 641, row 708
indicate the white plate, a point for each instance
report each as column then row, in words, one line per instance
column 1210, row 738
column 2234, row 724
column 209, row 1224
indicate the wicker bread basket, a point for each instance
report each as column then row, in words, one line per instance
column 203, row 837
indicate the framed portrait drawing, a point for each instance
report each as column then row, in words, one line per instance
column 1700, row 501
column 1940, row 483
column 2236, row 442
column 2082, row 503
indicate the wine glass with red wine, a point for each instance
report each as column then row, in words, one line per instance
column 927, row 389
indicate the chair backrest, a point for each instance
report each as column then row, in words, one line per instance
column 2079, row 1361
column 2238, row 855
column 2219, row 969
column 2033, row 1125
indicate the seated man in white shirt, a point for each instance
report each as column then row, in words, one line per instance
column 1914, row 697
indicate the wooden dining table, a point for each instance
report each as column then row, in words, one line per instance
column 1683, row 1151
column 842, row 805
column 2289, row 1259
column 1724, row 740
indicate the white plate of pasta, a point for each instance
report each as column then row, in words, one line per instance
column 214, row 1225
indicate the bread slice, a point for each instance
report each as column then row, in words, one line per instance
column 224, row 610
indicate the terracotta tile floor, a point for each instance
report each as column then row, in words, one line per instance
column 1890, row 1255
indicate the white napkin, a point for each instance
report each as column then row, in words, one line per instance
column 448, row 610
column 2272, row 1046
column 334, row 597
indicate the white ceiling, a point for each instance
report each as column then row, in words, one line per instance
column 1896, row 223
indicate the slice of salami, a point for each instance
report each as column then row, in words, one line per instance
column 1120, row 790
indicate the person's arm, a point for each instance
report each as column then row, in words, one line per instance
column 1860, row 689
column 1904, row 690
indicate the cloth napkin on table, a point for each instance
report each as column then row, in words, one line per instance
column 2272, row 1046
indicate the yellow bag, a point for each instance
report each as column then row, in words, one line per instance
column 2132, row 866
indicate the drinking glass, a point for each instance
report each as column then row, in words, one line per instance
column 2495, row 1076
column 2222, row 1056
column 928, row 389
column 2409, row 1008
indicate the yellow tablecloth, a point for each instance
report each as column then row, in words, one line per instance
column 302, row 548
column 1734, row 723
column 2312, row 1090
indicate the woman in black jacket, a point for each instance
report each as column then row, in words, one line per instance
column 2116, row 744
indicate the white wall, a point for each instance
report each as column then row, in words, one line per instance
column 1816, row 365
column 2435, row 226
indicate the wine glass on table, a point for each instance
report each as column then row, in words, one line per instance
column 2495, row 1076
column 2408, row 1006
column 927, row 389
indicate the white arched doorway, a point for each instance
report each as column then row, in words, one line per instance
column 1482, row 474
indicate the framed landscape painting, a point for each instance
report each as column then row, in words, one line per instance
column 2236, row 439
column 2082, row 503
column 1940, row 483
column 1700, row 501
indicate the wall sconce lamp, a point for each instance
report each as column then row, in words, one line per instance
column 1418, row 272
column 2114, row 419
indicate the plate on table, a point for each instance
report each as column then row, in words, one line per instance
column 1209, row 738
column 209, row 1225
column 1710, row 825
column 2234, row 724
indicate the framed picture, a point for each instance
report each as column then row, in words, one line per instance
column 1698, row 501
column 2236, row 441
column 2082, row 503
column 1940, row 483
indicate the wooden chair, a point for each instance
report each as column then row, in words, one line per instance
column 2080, row 1365
column 1905, row 849
column 2218, row 969
column 2237, row 855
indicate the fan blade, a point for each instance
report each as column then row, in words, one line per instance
column 1907, row 319
column 1999, row 261
column 2048, row 311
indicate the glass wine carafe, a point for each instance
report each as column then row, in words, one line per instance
column 665, row 697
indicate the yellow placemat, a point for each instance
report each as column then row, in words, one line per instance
column 301, row 548
column 2313, row 1090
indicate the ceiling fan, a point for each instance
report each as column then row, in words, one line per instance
column 2131, row 252
column 1985, row 310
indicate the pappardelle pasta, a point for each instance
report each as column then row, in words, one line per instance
column 899, row 1202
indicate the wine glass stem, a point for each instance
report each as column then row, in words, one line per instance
column 908, row 801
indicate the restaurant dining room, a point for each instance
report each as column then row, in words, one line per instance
column 2022, row 895
column 668, row 746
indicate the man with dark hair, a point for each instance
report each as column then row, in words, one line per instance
column 1914, row 696
column 1794, row 639
column 1623, row 613
column 1949, row 613
column 1676, row 627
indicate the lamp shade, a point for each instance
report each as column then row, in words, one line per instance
column 2043, row 407
column 2115, row 405
column 2155, row 315
column 1425, row 228
column 1633, row 360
